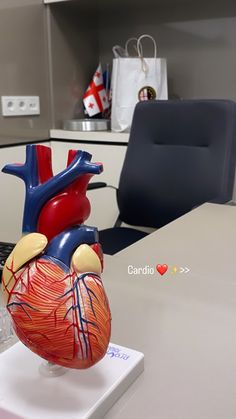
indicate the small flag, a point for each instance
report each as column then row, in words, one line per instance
column 95, row 98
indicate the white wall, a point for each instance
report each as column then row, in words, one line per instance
column 24, row 67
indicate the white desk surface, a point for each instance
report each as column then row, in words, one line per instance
column 185, row 324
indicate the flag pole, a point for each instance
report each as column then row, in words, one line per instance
column 106, row 89
column 107, row 79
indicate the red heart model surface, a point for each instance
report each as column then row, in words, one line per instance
column 67, row 208
column 52, row 279
column 70, row 207
column 60, row 315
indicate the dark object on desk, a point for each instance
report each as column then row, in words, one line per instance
column 5, row 250
column 180, row 155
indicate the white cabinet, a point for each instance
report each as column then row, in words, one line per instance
column 98, row 136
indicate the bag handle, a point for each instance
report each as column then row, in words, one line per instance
column 135, row 46
column 140, row 51
column 119, row 51
column 140, row 48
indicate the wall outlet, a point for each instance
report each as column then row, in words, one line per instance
column 20, row 105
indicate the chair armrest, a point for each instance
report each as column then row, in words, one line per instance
column 99, row 185
column 96, row 185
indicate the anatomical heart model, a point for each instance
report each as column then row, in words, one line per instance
column 51, row 281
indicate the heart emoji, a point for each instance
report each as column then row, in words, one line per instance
column 162, row 269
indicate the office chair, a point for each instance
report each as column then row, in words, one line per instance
column 180, row 154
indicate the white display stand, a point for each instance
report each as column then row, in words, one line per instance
column 24, row 393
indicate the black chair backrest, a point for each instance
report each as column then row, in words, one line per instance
column 180, row 155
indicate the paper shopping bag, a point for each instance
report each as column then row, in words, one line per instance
column 133, row 80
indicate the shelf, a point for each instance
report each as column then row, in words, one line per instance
column 92, row 136
column 54, row 1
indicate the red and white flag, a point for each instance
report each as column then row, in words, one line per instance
column 95, row 98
